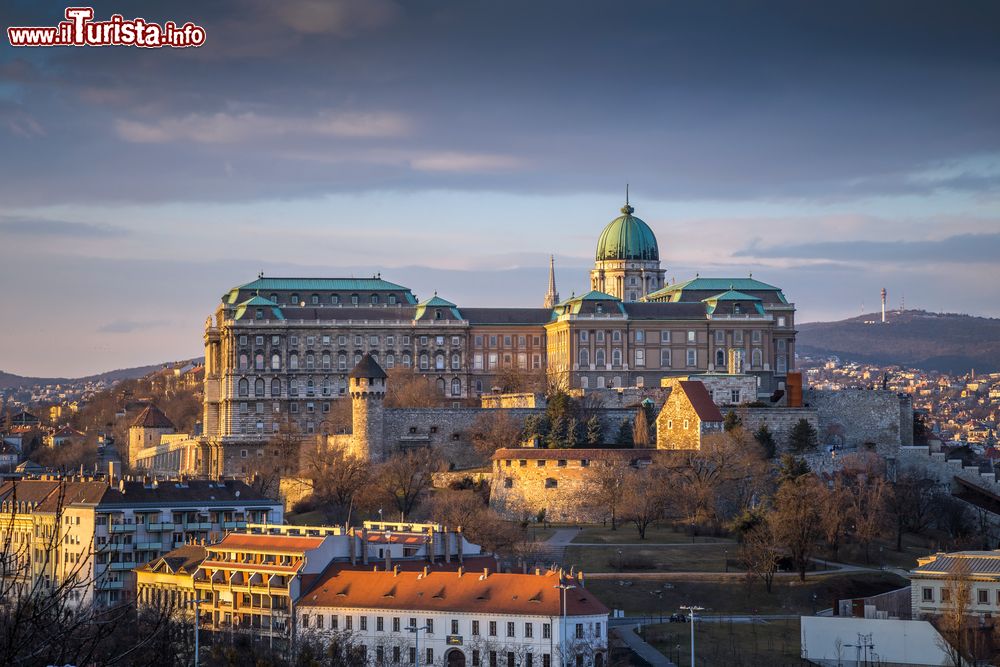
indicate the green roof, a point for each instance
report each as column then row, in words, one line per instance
column 627, row 237
column 436, row 302
column 320, row 285
column 732, row 295
column 258, row 301
column 574, row 303
column 717, row 285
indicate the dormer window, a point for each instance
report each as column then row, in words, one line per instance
column 437, row 314
column 600, row 308
column 259, row 314
column 294, row 299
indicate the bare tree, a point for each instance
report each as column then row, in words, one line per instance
column 493, row 430
column 797, row 519
column 404, row 479
column 278, row 458
column 336, row 479
column 407, row 388
column 608, row 475
column 760, row 553
column 644, row 499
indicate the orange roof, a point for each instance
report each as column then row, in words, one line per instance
column 701, row 401
column 469, row 592
column 270, row 543
column 256, row 567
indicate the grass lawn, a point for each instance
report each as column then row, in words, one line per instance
column 626, row 533
column 314, row 518
column 702, row 558
column 733, row 596
column 768, row 644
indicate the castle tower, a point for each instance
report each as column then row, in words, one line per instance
column 552, row 296
column 367, row 385
column 146, row 431
column 627, row 263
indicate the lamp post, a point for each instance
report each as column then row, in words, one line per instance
column 562, row 633
column 416, row 640
column 197, row 617
column 619, row 560
column 691, row 609
column 726, row 557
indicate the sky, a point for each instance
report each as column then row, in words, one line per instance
column 829, row 148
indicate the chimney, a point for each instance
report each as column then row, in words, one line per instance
column 364, row 546
column 388, row 556
column 430, row 544
column 427, row 571
column 395, row 570
column 351, row 547
column 447, row 544
column 538, row 571
column 458, row 544
column 486, row 573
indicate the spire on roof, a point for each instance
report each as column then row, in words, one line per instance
column 627, row 208
column 552, row 296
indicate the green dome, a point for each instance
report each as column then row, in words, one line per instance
column 627, row 237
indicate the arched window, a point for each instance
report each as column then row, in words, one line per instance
column 456, row 362
column 616, row 357
column 456, row 387
column 585, row 382
column 258, row 387
column 357, row 358
column 599, row 358
column 437, row 314
column 275, row 387
column 258, row 361
column 479, row 386
column 293, row 387
column 390, row 360
column 665, row 361
column 293, row 362
column 275, row 362
column 720, row 357
column 342, row 361
column 756, row 358
column 406, row 360
column 424, row 362
column 244, row 387
column 326, row 360
column 327, row 387
column 440, row 385
column 439, row 362
column 310, row 361
column 584, row 358
column 274, row 297
column 244, row 361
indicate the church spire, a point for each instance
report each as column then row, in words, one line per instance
column 552, row 296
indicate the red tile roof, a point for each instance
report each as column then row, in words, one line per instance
column 470, row 592
column 152, row 417
column 701, row 401
column 269, row 543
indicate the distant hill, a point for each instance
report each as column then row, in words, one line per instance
column 11, row 381
column 944, row 342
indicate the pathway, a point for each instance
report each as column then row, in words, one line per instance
column 553, row 549
column 644, row 650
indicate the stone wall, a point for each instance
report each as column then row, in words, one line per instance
column 780, row 421
column 293, row 489
column 523, row 400
column 854, row 417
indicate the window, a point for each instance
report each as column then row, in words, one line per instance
column 546, row 631
column 782, row 344
column 430, row 626
column 406, row 360
column 275, row 387
column 781, row 365
column 507, row 341
column 640, row 357
column 579, row 631
column 983, row 596
column 374, row 299
column 665, row 358
column 395, row 623
column 310, row 361
column 664, row 336
column 244, row 387
column 599, row 336
column 363, row 622
column 493, row 628
column 738, row 336
column 583, row 336
column 456, row 387
column 275, row 362
column 373, row 341
column 755, row 358
column 475, row 658
column 755, row 336
column 456, row 362
column 720, row 357
column 244, row 361
column 616, row 336
column 390, row 360
column 692, row 357
column 354, row 299
column 243, row 340
column 379, row 625
column 493, row 358
column 348, row 622
column 293, row 362
column 781, row 320
column 335, row 299
column 314, row 299
column 585, row 382
column 475, row 628
column 454, row 627
column 945, row 595
column 478, row 341
column 692, row 337
column 640, row 336
column 687, row 424
column 430, row 657
column 425, row 362
column 529, row 630
column 536, row 361
column 392, row 299
column 599, row 358
column 616, row 357
column 584, row 357
column 720, row 336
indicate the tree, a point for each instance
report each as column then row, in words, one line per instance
column 572, row 433
column 643, row 500
column 608, row 476
column 337, row 480
column 595, row 435
column 797, row 519
column 731, row 421
column 280, row 456
column 640, row 429
column 803, row 437
column 405, row 478
column 920, row 431
column 792, row 468
column 955, row 620
column 625, row 434
column 557, row 433
column 493, row 430
column 406, row 388
column 764, row 436
column 836, row 513
column 537, row 425
column 760, row 553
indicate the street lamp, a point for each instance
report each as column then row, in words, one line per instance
column 691, row 609
column 197, row 616
column 619, row 560
column 726, row 556
column 562, row 635
column 416, row 640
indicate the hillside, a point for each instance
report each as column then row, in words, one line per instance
column 11, row 381
column 944, row 342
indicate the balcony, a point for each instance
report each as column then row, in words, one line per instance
column 123, row 566
column 149, row 546
column 198, row 525
column 160, row 527
column 122, row 528
column 114, row 548
column 233, row 525
column 110, row 585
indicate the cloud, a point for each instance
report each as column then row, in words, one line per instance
column 130, row 326
column 962, row 248
column 227, row 128
column 459, row 161
column 343, row 18
column 40, row 227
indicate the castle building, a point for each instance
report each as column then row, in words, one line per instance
column 280, row 350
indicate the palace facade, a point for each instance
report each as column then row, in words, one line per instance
column 281, row 349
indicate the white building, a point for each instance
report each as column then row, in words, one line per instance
column 938, row 579
column 459, row 619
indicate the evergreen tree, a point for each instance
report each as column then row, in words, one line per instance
column 764, row 436
column 803, row 437
column 792, row 468
column 731, row 421
column 625, row 433
column 556, row 437
column 640, row 429
column 595, row 435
